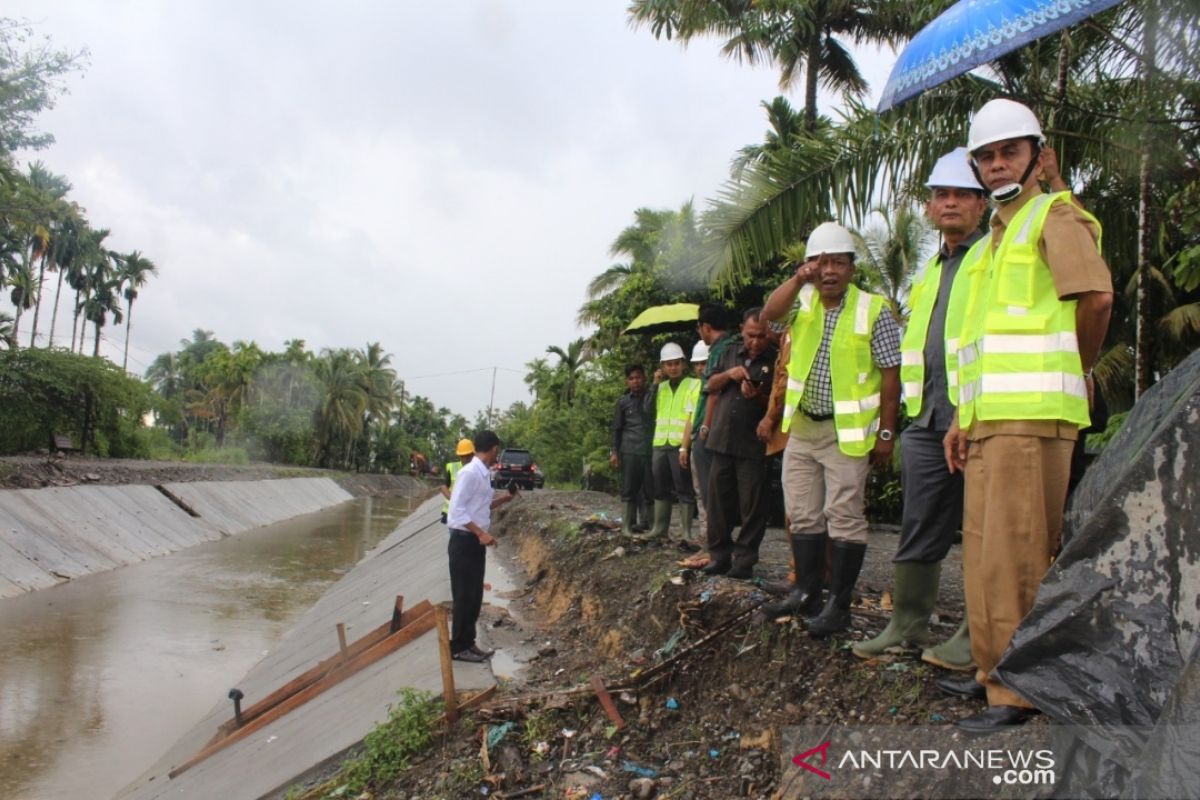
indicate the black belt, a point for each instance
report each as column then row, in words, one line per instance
column 461, row 532
column 817, row 417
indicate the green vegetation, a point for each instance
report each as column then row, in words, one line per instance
column 44, row 393
column 388, row 750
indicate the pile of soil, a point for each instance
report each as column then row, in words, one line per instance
column 36, row 472
column 703, row 685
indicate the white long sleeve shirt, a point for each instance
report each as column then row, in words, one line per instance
column 471, row 497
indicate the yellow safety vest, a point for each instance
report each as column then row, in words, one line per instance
column 452, row 468
column 856, row 381
column 673, row 408
column 922, row 298
column 1018, row 352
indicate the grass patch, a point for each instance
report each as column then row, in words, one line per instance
column 388, row 750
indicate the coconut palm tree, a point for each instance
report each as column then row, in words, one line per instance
column 134, row 270
column 50, row 190
column 566, row 372
column 891, row 251
column 798, row 36
column 24, row 293
column 340, row 417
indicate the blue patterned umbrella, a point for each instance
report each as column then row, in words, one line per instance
column 974, row 32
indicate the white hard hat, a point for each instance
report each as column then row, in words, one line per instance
column 998, row 120
column 953, row 171
column 700, row 352
column 670, row 352
column 829, row 237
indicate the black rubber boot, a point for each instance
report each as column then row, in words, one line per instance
column 835, row 617
column 808, row 551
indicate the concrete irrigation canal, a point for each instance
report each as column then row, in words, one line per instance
column 101, row 673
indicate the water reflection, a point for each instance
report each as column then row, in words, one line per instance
column 99, row 676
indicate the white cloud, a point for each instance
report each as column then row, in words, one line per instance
column 443, row 178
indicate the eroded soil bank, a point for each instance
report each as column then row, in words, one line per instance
column 703, row 686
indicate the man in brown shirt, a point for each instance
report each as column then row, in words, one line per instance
column 1016, row 449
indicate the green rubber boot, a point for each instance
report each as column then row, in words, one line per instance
column 913, row 596
column 629, row 518
column 954, row 653
column 687, row 512
column 662, row 520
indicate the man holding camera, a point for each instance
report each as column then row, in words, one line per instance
column 737, row 481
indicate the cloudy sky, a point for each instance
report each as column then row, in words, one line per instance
column 443, row 178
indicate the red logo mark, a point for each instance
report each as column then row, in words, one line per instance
column 800, row 761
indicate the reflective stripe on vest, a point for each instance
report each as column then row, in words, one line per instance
column 452, row 467
column 966, row 284
column 1018, row 355
column 922, row 298
column 855, row 379
column 672, row 409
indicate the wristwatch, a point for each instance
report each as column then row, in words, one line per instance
column 886, row 435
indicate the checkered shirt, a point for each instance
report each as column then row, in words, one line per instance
column 885, row 351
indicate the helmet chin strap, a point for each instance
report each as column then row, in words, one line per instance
column 1009, row 191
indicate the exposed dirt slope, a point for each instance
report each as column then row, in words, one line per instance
column 706, row 725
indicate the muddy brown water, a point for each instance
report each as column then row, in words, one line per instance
column 98, row 677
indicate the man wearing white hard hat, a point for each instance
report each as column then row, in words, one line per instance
column 840, row 409
column 674, row 400
column 1037, row 310
column 933, row 497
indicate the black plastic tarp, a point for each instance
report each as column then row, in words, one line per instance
column 1111, row 645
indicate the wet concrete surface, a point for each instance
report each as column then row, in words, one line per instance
column 99, row 676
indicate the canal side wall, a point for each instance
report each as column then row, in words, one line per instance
column 410, row 562
column 52, row 535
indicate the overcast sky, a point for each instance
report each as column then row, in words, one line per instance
column 443, row 178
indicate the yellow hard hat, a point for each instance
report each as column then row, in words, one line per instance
column 465, row 448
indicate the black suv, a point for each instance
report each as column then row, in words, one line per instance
column 518, row 468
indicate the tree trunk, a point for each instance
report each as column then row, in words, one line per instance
column 96, row 344
column 37, row 307
column 54, row 316
column 812, row 74
column 75, row 321
column 16, row 324
column 1145, row 325
column 128, row 325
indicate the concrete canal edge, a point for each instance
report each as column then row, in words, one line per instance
column 410, row 562
column 57, row 534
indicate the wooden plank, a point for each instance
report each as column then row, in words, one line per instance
column 385, row 648
column 451, row 698
column 341, row 632
column 323, row 668
column 610, row 708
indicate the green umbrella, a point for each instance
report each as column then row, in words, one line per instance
column 661, row 319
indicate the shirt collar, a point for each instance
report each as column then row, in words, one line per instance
column 962, row 247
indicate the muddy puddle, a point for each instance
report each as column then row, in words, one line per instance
column 100, row 676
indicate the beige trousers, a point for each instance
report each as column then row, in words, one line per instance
column 1016, row 487
column 823, row 488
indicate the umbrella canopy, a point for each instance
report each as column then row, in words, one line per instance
column 973, row 32
column 661, row 319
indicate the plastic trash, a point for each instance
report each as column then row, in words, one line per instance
column 496, row 733
column 638, row 769
column 672, row 704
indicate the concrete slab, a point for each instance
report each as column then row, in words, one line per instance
column 67, row 532
column 411, row 562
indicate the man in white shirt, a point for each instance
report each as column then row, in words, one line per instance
column 469, row 517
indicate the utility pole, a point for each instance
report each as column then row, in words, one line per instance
column 492, row 398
